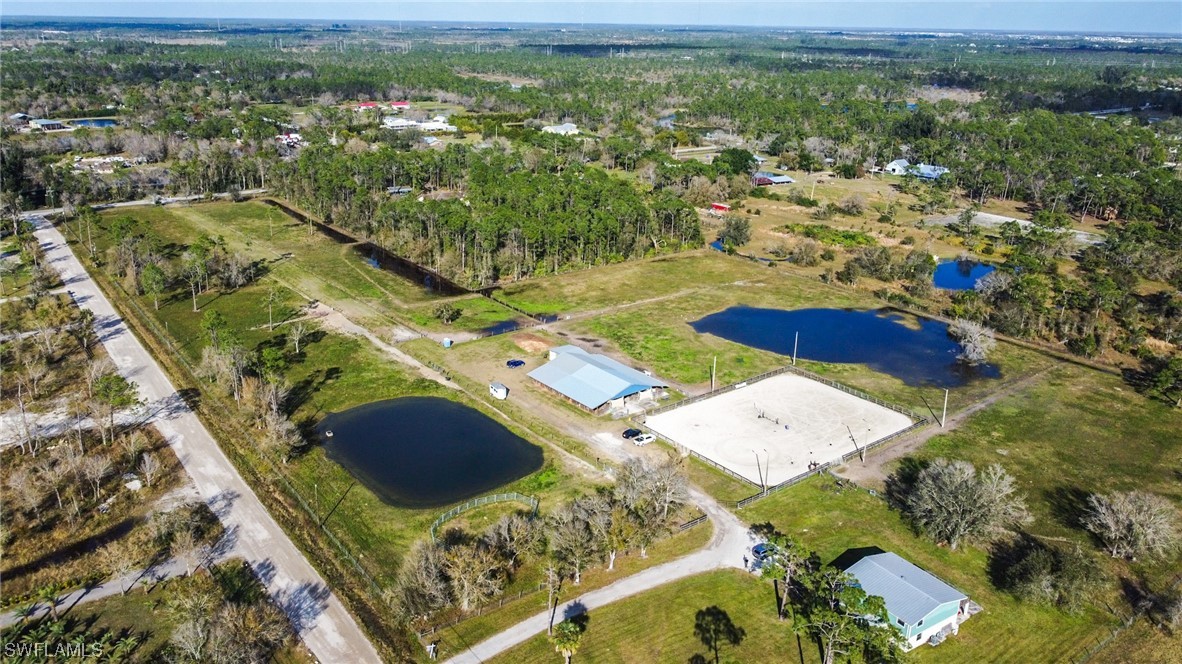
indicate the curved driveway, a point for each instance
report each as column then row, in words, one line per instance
column 728, row 545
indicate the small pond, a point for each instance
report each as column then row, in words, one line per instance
column 919, row 357
column 501, row 327
column 960, row 275
column 422, row 452
column 94, row 122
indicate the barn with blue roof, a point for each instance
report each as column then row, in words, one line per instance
column 595, row 382
column 921, row 606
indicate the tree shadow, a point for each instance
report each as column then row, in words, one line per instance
column 849, row 557
column 715, row 629
column 1068, row 504
column 1004, row 554
column 900, row 482
column 304, row 604
column 576, row 612
column 302, row 391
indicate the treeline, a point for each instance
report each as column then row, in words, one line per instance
column 495, row 215
column 463, row 570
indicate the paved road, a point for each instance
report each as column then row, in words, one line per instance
column 327, row 629
column 730, row 541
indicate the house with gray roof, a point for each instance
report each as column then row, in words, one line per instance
column 921, row 606
column 594, row 382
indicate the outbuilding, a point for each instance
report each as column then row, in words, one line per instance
column 564, row 129
column 921, row 606
column 765, row 178
column 498, row 391
column 594, row 382
column 48, row 125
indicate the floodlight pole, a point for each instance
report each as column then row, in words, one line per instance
column 767, row 468
column 861, row 452
column 759, row 469
column 944, row 418
column 795, row 344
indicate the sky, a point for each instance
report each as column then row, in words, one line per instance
column 1110, row 16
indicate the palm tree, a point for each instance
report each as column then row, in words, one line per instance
column 566, row 638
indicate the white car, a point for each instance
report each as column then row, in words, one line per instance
column 644, row 439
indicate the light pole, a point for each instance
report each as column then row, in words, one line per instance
column 759, row 469
column 767, row 468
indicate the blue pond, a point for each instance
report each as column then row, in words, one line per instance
column 501, row 327
column 960, row 275
column 422, row 452
column 880, row 340
column 94, row 122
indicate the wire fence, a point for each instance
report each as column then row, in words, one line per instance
column 1101, row 642
column 478, row 611
column 481, row 501
column 782, row 370
column 917, row 423
column 227, row 418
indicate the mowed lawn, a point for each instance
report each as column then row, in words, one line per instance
column 658, row 626
column 609, row 286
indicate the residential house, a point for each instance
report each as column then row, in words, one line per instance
column 921, row 606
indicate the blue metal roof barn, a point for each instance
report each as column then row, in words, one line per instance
column 591, row 380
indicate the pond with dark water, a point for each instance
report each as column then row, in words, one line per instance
column 423, row 452
column 960, row 275
column 923, row 356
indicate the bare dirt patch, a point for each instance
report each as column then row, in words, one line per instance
column 531, row 343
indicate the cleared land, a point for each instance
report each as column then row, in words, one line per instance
column 784, row 423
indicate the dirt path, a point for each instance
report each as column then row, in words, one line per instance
column 335, row 320
column 873, row 472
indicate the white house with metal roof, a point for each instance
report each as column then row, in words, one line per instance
column 594, row 381
column 564, row 129
column 921, row 606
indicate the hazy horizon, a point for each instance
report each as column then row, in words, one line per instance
column 1106, row 17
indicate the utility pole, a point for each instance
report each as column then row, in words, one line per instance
column 795, row 343
column 944, row 418
column 713, row 373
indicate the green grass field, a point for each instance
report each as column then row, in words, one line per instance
column 476, row 315
column 625, row 283
column 658, row 626
column 1074, row 432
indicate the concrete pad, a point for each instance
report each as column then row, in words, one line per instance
column 781, row 423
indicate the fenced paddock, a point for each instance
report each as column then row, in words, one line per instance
column 781, row 426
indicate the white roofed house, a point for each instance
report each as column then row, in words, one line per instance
column 594, row 382
column 897, row 167
column 564, row 129
column 921, row 606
